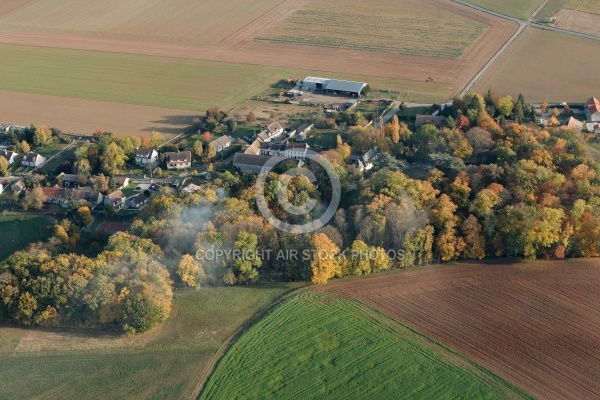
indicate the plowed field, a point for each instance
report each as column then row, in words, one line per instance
column 535, row 324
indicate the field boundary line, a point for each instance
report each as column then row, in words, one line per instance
column 225, row 40
column 258, row 315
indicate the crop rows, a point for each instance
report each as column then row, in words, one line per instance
column 317, row 345
column 365, row 26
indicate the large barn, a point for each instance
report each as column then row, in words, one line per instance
column 334, row 86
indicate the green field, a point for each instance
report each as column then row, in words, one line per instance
column 515, row 8
column 166, row 363
column 317, row 346
column 161, row 81
column 18, row 231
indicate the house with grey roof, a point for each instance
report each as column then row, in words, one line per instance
column 10, row 156
column 254, row 163
column 32, row 159
column 334, row 86
column 179, row 159
column 221, row 143
column 145, row 156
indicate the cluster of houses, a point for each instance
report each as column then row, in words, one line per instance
column 30, row 159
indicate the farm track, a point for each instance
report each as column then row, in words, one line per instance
column 533, row 324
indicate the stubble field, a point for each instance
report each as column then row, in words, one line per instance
column 545, row 65
column 534, row 324
column 515, row 8
column 360, row 25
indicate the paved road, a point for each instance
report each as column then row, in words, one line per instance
column 522, row 25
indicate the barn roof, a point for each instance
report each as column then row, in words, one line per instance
column 345, row 86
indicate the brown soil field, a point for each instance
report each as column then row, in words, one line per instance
column 545, row 65
column 240, row 48
column 578, row 21
column 536, row 324
column 86, row 116
column 9, row 6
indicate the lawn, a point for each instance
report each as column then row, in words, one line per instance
column 515, row 8
column 409, row 114
column 343, row 23
column 324, row 138
column 19, row 230
column 168, row 362
column 530, row 66
column 317, row 346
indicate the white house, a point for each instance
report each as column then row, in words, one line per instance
column 221, row 143
column 296, row 151
column 592, row 110
column 10, row 156
column 115, row 199
column 32, row 159
column 145, row 156
column 179, row 160
column 1, row 188
column 271, row 132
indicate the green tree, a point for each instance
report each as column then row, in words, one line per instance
column 248, row 263
column 198, row 148
column 505, row 105
column 112, row 159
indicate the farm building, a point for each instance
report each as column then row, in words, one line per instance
column 334, row 86
column 253, row 163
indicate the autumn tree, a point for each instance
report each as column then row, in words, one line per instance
column 34, row 198
column 246, row 266
column 251, row 117
column 474, row 240
column 3, row 166
column 112, row 159
column 41, row 135
column 157, row 140
column 505, row 105
column 190, row 271
column 84, row 214
column 324, row 264
column 198, row 148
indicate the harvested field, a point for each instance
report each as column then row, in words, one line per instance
column 9, row 6
column 578, row 21
column 87, row 116
column 515, row 8
column 240, row 48
column 209, row 21
column 535, row 324
column 319, row 346
column 545, row 65
column 343, row 24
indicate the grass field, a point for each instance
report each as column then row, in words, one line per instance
column 317, row 346
column 544, row 65
column 415, row 31
column 165, row 363
column 515, row 8
column 17, row 231
column 590, row 6
column 209, row 21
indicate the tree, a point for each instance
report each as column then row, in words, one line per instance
column 112, row 159
column 25, row 148
column 207, row 136
column 231, row 125
column 198, row 148
column 248, row 263
column 251, row 117
column 324, row 264
column 555, row 112
column 41, row 135
column 211, row 151
column 3, row 166
column 34, row 198
column 85, row 215
column 505, row 105
column 157, row 140
column 190, row 271
column 100, row 183
column 480, row 140
column 392, row 129
column 474, row 240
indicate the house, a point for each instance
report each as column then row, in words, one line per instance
column 119, row 182
column 302, row 131
column 254, row 163
column 145, row 156
column 254, row 148
column 68, row 180
column 592, row 111
column 574, row 124
column 334, row 86
column 57, row 195
column 364, row 162
column 437, row 121
column 1, row 188
column 179, row 160
column 593, row 127
column 272, row 149
column 33, row 160
column 5, row 128
column 10, row 156
column 150, row 187
column 137, row 202
column 178, row 183
column 271, row 132
column 115, row 199
column 18, row 186
column 221, row 143
column 296, row 151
